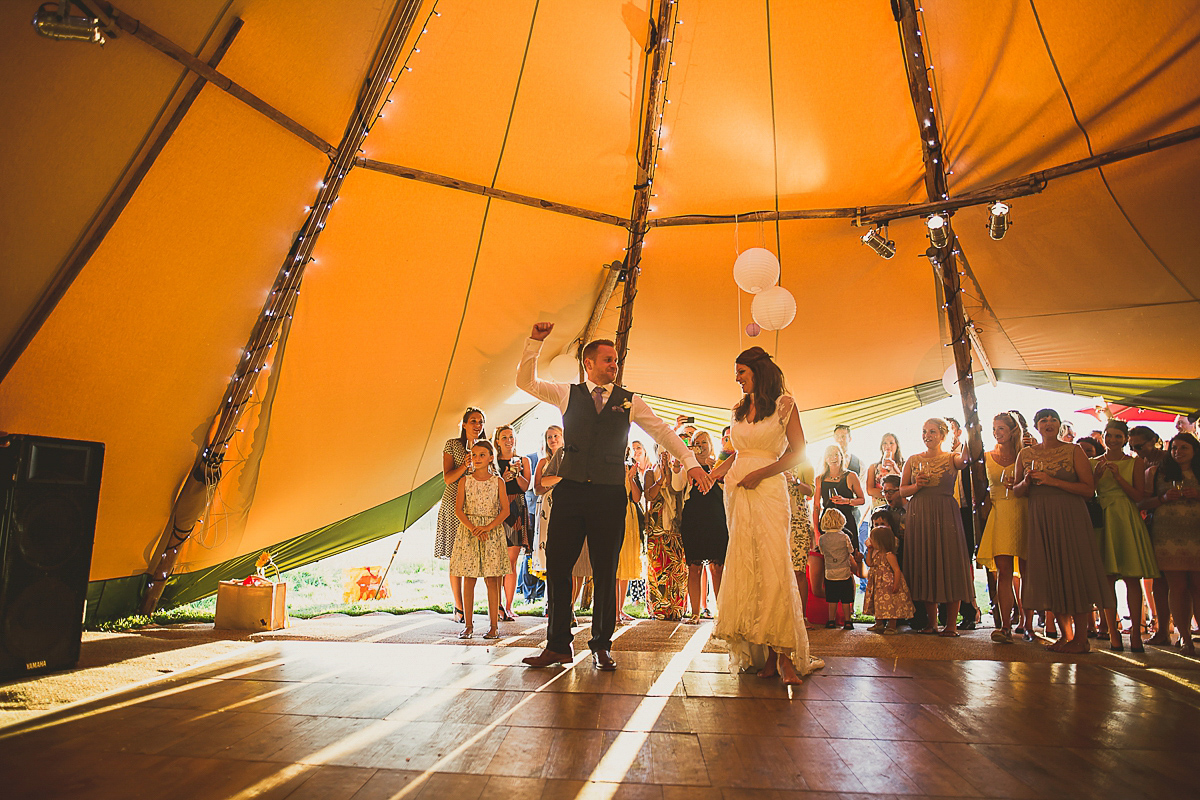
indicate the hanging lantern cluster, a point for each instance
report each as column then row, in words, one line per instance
column 756, row 272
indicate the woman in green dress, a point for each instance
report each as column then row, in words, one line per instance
column 1125, row 544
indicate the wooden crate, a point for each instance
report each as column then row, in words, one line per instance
column 251, row 608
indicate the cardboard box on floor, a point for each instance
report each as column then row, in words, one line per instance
column 251, row 608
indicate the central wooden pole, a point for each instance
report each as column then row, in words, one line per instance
column 659, row 40
column 944, row 258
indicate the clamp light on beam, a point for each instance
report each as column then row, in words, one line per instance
column 877, row 240
column 937, row 231
column 998, row 220
column 53, row 20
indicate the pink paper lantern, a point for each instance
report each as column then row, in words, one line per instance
column 753, row 329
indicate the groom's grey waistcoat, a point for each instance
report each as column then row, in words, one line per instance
column 594, row 444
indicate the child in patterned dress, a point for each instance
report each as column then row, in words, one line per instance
column 480, row 547
column 887, row 598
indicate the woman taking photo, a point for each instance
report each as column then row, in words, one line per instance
column 1176, row 505
column 761, row 618
column 514, row 471
column 1066, row 575
column 1003, row 542
column 1125, row 544
column 455, row 463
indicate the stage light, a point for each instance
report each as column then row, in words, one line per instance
column 53, row 20
column 937, row 231
column 877, row 240
column 998, row 221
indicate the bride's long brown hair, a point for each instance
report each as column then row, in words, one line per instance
column 768, row 384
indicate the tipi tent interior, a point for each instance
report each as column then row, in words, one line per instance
column 267, row 252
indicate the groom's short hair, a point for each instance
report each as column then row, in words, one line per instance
column 589, row 352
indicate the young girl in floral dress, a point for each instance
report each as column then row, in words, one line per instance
column 887, row 598
column 480, row 544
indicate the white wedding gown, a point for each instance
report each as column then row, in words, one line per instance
column 759, row 605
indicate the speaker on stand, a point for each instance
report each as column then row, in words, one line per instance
column 49, row 491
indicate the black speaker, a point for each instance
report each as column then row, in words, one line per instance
column 49, row 490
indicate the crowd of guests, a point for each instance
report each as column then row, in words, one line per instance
column 1065, row 518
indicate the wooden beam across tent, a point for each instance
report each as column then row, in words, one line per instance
column 945, row 257
column 164, row 45
column 655, row 90
column 270, row 328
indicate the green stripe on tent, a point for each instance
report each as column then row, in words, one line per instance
column 1160, row 394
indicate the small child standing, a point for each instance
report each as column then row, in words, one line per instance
column 840, row 565
column 480, row 546
column 887, row 598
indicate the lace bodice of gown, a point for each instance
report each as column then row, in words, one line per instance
column 761, row 441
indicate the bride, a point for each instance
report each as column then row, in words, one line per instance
column 761, row 618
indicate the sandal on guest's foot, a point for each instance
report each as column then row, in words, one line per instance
column 831, row 624
column 458, row 615
column 1001, row 636
column 948, row 633
column 507, row 616
column 889, row 631
column 492, row 634
column 694, row 619
column 466, row 633
column 876, row 628
column 849, row 626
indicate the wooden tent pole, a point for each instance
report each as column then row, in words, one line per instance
column 79, row 257
column 270, row 328
column 655, row 90
column 944, row 258
column 164, row 45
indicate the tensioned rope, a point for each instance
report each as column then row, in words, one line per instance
column 774, row 156
column 475, row 263
column 1088, row 141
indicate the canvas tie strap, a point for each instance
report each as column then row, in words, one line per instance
column 598, row 397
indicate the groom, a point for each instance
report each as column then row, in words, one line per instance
column 590, row 500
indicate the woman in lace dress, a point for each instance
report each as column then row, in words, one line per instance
column 761, row 619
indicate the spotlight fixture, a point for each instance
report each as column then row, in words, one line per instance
column 54, row 21
column 998, row 220
column 937, row 230
column 877, row 240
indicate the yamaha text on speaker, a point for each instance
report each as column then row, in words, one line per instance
column 49, row 489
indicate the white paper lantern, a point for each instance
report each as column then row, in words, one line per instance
column 950, row 380
column 773, row 309
column 756, row 270
column 564, row 368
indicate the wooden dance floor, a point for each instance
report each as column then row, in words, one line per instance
column 311, row 719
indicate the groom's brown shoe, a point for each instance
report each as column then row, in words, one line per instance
column 548, row 657
column 603, row 660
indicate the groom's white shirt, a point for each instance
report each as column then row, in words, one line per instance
column 559, row 394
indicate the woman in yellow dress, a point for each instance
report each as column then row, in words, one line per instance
column 1004, row 534
column 629, row 562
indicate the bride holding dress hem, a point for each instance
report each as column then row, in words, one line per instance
column 761, row 617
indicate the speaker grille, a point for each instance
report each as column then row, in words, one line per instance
column 42, row 621
column 49, row 528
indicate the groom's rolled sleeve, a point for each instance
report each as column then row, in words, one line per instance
column 557, row 394
column 661, row 432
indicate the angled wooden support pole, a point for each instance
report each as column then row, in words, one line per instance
column 270, row 329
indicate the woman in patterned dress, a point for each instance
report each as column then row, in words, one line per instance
column 800, row 481
column 455, row 464
column 1176, row 530
column 666, row 587
column 480, row 507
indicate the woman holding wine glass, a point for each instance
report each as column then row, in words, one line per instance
column 1176, row 530
column 840, row 489
column 1065, row 572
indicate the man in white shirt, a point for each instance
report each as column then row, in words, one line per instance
column 590, row 499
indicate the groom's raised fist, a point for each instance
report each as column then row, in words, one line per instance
column 541, row 330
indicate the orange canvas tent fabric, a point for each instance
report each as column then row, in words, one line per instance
column 421, row 295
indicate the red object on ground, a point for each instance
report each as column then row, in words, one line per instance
column 1131, row 414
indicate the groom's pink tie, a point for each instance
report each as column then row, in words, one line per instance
column 598, row 397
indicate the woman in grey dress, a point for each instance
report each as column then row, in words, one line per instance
column 1066, row 572
column 936, row 565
